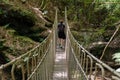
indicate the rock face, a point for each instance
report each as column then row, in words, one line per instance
column 25, row 19
column 20, row 29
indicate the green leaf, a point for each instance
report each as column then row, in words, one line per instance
column 116, row 56
column 26, row 59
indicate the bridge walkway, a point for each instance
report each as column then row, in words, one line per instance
column 60, row 66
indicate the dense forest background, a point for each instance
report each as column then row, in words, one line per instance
column 25, row 23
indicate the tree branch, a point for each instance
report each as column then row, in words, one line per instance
column 117, row 28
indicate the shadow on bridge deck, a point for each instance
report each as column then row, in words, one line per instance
column 60, row 66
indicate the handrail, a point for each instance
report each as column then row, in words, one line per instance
column 44, row 56
column 38, row 57
column 74, row 67
column 93, row 57
column 22, row 56
column 80, row 59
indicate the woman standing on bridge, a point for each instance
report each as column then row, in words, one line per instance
column 61, row 34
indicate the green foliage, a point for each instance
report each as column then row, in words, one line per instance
column 1, row 44
column 113, row 9
column 77, row 36
column 5, row 1
column 18, row 11
column 18, row 45
column 98, row 14
column 101, row 31
column 1, row 11
column 13, row 44
column 24, row 39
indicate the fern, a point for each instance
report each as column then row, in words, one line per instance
column 116, row 57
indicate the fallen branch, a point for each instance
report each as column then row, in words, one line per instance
column 39, row 13
column 96, row 44
column 117, row 28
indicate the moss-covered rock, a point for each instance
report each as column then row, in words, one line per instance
column 24, row 21
column 14, row 45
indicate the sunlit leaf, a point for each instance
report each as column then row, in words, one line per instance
column 26, row 59
column 116, row 56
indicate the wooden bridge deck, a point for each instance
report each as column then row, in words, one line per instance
column 60, row 66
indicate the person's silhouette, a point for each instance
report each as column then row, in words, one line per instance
column 61, row 34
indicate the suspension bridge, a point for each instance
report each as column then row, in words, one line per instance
column 48, row 62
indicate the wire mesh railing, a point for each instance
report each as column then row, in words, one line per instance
column 36, row 64
column 43, row 70
column 83, row 65
column 75, row 70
